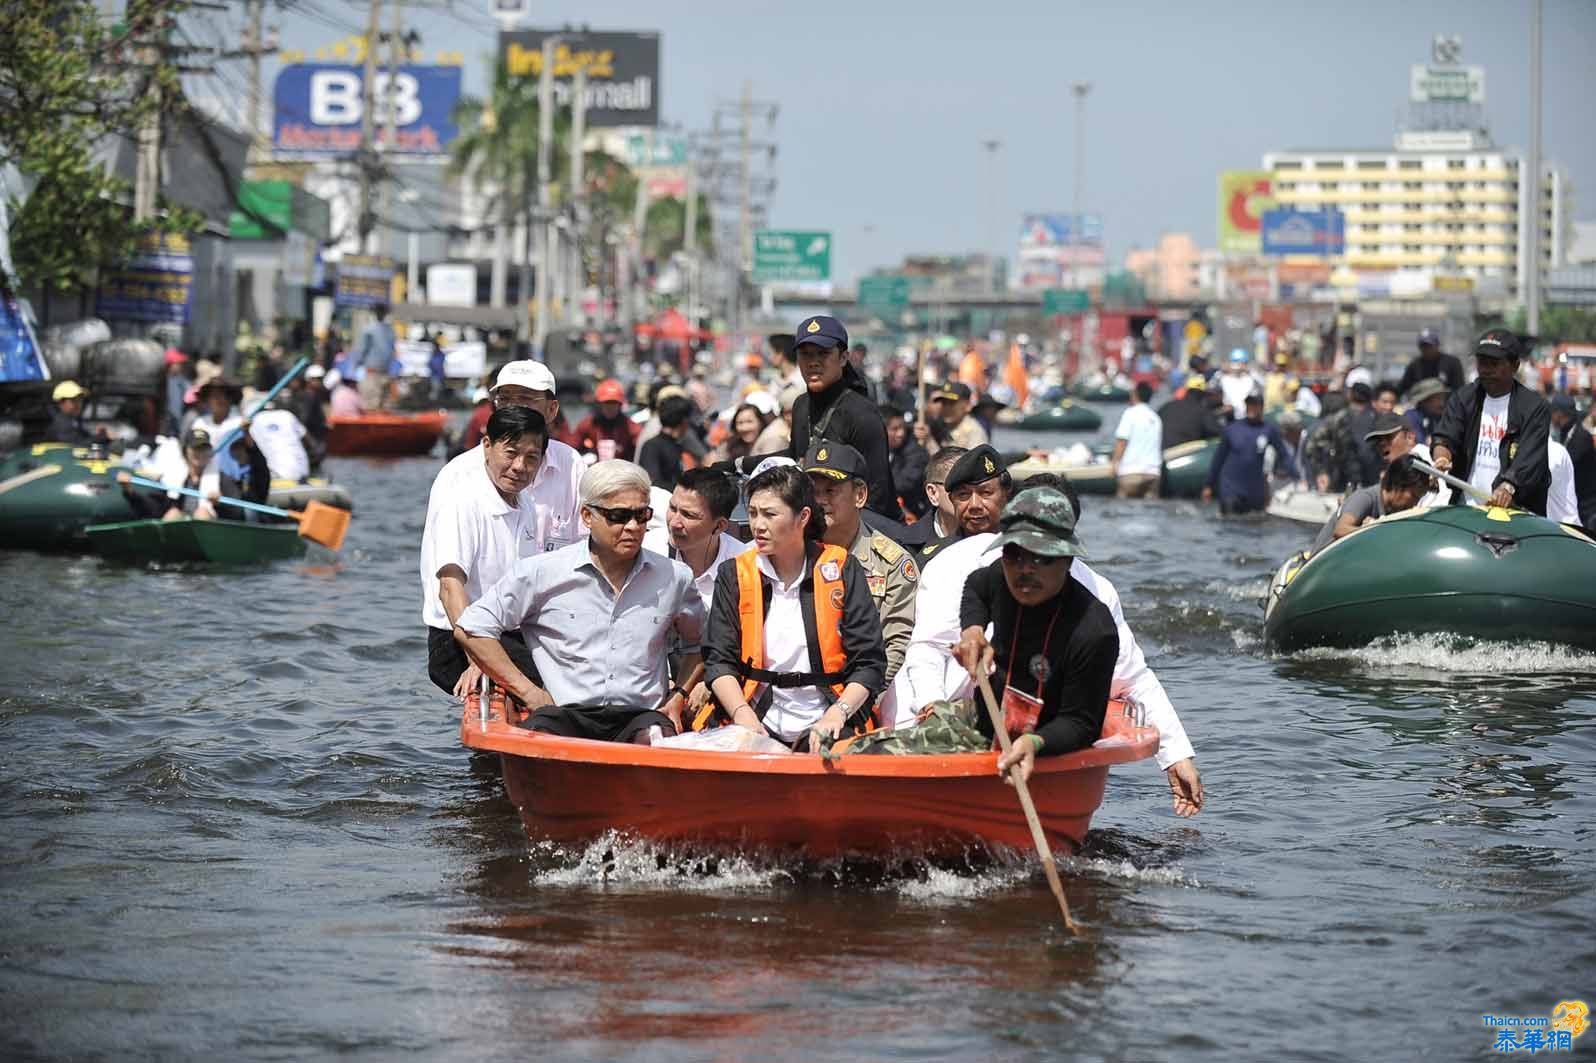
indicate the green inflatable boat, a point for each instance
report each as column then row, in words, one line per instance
column 49, row 493
column 1185, row 470
column 1496, row 575
column 221, row 542
column 1067, row 416
column 1101, row 393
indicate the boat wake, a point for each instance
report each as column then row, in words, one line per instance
column 1455, row 656
column 619, row 861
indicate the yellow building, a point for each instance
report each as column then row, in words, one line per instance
column 1441, row 209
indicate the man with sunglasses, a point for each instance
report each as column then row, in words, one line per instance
column 930, row 673
column 598, row 617
column 1053, row 647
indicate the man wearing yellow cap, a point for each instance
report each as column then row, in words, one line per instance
column 66, row 420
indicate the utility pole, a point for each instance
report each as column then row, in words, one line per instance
column 368, row 236
column 1532, row 241
column 577, row 275
column 540, row 330
column 390, row 141
column 1077, row 222
column 257, row 24
column 745, row 229
column 690, row 235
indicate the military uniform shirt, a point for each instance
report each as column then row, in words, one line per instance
column 892, row 576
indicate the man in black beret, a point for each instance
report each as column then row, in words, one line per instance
column 979, row 487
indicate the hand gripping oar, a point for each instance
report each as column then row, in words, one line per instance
column 233, row 433
column 320, row 523
column 1031, row 818
column 1452, row 481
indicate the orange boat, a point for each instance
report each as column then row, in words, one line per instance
column 392, row 435
column 574, row 789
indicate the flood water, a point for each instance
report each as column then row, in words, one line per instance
column 236, row 822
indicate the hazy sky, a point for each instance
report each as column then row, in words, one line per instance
column 884, row 105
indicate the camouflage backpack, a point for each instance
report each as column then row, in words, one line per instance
column 944, row 727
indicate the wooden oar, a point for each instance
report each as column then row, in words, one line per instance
column 320, row 523
column 287, row 378
column 1045, row 851
column 1452, row 481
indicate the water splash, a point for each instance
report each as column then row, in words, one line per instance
column 1455, row 656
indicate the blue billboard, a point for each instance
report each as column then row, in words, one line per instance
column 1294, row 231
column 317, row 109
column 153, row 285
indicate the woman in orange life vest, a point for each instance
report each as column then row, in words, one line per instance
column 794, row 644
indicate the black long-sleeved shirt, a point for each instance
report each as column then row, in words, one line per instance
column 861, row 626
column 1447, row 367
column 1582, row 452
column 661, row 458
column 1071, row 669
column 856, row 421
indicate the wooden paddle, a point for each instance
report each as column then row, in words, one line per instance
column 1049, row 867
column 320, row 523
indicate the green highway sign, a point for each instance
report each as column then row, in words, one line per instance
column 1065, row 301
column 782, row 255
column 883, row 293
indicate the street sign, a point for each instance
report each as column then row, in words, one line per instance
column 363, row 280
column 784, row 255
column 884, row 293
column 1065, row 301
column 1294, row 231
column 1446, row 84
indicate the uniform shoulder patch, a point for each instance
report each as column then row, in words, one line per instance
column 889, row 550
column 910, row 573
column 928, row 549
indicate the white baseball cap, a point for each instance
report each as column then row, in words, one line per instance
column 1360, row 375
column 534, row 376
column 764, row 402
column 314, row 372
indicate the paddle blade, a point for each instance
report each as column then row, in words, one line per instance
column 324, row 524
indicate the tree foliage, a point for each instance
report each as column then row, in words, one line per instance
column 69, row 85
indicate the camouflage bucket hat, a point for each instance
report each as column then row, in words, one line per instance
column 1042, row 521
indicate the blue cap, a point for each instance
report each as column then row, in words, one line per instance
column 1238, row 356
column 1429, row 338
column 821, row 331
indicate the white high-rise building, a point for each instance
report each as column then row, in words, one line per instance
column 1440, row 204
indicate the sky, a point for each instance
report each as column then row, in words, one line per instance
column 884, row 104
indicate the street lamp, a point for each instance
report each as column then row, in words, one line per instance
column 1079, row 89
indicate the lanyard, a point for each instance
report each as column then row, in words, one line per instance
column 1014, row 644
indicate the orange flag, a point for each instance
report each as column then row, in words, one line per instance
column 1014, row 375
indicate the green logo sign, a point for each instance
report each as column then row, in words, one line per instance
column 886, row 293
column 780, row 255
column 1065, row 301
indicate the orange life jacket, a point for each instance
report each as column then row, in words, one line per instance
column 827, row 599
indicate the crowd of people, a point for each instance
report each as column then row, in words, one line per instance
column 824, row 597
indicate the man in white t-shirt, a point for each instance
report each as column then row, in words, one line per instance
column 1495, row 430
column 1139, row 446
column 475, row 532
column 1562, row 503
column 281, row 438
column 555, row 518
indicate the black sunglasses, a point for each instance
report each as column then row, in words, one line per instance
column 618, row 517
column 1015, row 554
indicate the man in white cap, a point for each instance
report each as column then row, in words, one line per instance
column 555, row 513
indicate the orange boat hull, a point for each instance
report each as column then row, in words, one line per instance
column 571, row 789
column 385, row 434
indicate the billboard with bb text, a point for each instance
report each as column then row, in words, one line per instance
column 317, row 109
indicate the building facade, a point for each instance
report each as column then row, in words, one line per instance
column 1440, row 207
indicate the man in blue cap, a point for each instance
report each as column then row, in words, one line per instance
column 1432, row 363
column 836, row 406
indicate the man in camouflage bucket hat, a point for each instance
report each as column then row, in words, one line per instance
column 1054, row 645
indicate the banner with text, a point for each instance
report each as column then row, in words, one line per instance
column 317, row 109
column 152, row 286
column 622, row 71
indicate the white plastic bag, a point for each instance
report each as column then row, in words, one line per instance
column 730, row 739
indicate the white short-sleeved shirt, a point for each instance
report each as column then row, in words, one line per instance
column 659, row 541
column 1562, row 503
column 555, row 519
column 471, row 525
column 280, row 437
column 1143, row 433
